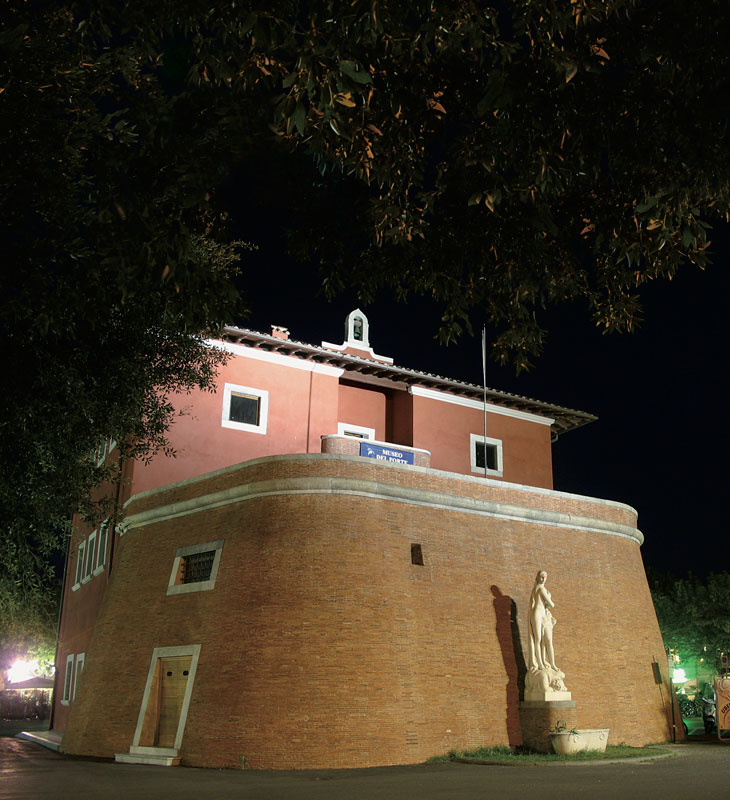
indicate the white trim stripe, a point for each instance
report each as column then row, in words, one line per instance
column 444, row 397
column 383, row 465
column 276, row 358
column 378, row 490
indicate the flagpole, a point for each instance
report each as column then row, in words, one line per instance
column 484, row 387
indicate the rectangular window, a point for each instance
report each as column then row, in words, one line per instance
column 68, row 678
column 195, row 568
column 489, row 448
column 79, row 669
column 90, row 556
column 103, row 450
column 101, row 550
column 79, row 565
column 245, row 409
column 357, row 431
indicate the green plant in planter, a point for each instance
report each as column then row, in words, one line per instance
column 561, row 726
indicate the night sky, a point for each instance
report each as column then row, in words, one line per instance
column 661, row 438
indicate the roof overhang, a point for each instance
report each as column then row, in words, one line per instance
column 565, row 419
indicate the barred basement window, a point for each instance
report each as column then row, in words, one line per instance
column 195, row 568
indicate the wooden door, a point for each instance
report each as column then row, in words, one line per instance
column 173, row 682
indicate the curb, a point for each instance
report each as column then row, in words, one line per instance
column 580, row 763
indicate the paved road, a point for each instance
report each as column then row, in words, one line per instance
column 697, row 771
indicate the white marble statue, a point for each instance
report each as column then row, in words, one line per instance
column 544, row 681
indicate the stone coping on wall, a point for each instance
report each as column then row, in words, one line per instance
column 338, row 474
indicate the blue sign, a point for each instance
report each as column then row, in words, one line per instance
column 381, row 453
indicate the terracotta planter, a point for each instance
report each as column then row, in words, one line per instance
column 566, row 743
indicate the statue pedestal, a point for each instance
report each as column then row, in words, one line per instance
column 548, row 696
column 539, row 717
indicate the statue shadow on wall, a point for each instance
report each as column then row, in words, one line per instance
column 508, row 636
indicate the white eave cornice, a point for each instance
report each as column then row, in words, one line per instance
column 564, row 419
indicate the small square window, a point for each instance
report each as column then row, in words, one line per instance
column 491, row 449
column 195, row 568
column 416, row 554
column 245, row 408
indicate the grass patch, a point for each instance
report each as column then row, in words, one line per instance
column 519, row 755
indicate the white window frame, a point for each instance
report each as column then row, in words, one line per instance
column 343, row 429
column 102, row 545
column 474, row 440
column 90, row 556
column 263, row 396
column 103, row 450
column 80, row 564
column 191, row 550
column 68, row 680
column 78, row 669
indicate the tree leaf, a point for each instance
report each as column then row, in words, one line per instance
column 299, row 118
column 355, row 72
column 344, row 100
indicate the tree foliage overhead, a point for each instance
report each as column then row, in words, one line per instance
column 692, row 614
column 512, row 155
column 112, row 273
column 506, row 156
column 498, row 157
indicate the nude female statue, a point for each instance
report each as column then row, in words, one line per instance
column 542, row 621
column 543, row 676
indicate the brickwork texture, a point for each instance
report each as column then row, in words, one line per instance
column 323, row 645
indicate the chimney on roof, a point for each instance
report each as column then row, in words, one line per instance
column 279, row 332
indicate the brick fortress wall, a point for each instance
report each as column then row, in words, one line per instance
column 322, row 645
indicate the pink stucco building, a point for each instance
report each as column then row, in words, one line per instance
column 353, row 441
